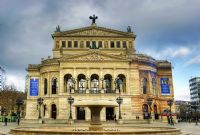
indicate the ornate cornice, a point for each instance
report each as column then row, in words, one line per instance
column 92, row 31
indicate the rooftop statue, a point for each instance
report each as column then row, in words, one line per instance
column 129, row 29
column 93, row 18
column 57, row 29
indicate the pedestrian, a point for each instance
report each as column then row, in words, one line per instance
column 115, row 117
column 6, row 120
column 168, row 119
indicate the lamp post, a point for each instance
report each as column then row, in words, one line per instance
column 149, row 102
column 19, row 102
column 40, row 102
column 70, row 101
column 119, row 101
column 170, row 103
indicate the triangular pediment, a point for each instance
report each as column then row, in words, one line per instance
column 94, row 56
column 93, row 31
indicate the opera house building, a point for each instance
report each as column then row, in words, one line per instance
column 97, row 67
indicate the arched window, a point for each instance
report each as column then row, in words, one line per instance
column 67, row 82
column 122, row 80
column 81, row 83
column 54, row 85
column 154, row 86
column 144, row 85
column 107, row 83
column 45, row 86
column 94, row 83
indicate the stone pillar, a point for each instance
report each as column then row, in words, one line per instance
column 48, row 84
column 74, row 112
column 103, row 114
column 95, row 112
column 61, row 87
column 87, row 114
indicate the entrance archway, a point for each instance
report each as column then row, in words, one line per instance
column 156, row 112
column 145, row 111
column 109, row 113
column 80, row 113
column 53, row 111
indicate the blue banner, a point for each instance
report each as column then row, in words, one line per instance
column 34, row 87
column 165, row 87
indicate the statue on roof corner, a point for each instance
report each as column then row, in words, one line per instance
column 93, row 18
column 129, row 29
column 57, row 29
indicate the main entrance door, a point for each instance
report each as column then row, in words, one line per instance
column 110, row 113
column 80, row 113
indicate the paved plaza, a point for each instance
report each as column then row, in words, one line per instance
column 186, row 128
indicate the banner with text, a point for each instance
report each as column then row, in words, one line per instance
column 165, row 87
column 34, row 87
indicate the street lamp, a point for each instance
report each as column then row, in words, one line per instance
column 194, row 105
column 40, row 102
column 70, row 101
column 170, row 103
column 119, row 101
column 149, row 102
column 19, row 102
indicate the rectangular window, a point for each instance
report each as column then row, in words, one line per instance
column 112, row 44
column 63, row 44
column 118, row 44
column 75, row 44
column 69, row 44
column 124, row 44
column 87, row 44
column 100, row 44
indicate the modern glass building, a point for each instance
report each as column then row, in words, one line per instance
column 195, row 89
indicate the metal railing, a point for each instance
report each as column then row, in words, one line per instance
column 94, row 91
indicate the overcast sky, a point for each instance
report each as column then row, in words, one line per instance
column 165, row 30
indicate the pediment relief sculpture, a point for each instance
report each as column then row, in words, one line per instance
column 93, row 56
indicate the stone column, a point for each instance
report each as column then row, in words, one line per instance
column 61, row 87
column 48, row 84
column 103, row 114
column 87, row 114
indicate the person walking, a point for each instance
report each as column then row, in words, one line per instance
column 6, row 120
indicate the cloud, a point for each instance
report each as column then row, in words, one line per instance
column 194, row 60
column 165, row 30
column 17, row 80
column 185, row 96
column 169, row 53
column 181, row 52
